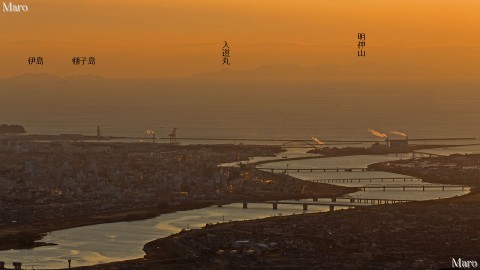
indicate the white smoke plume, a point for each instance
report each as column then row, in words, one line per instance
column 317, row 140
column 399, row 133
column 377, row 133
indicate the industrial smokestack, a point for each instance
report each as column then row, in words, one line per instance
column 151, row 132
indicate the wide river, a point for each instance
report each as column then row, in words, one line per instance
column 124, row 240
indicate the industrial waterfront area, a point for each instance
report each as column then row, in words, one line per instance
column 56, row 192
column 239, row 135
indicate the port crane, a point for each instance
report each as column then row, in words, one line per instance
column 173, row 136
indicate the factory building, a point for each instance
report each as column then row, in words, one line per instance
column 398, row 144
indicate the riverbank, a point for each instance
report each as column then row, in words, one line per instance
column 25, row 236
column 329, row 152
column 454, row 169
column 375, row 237
column 177, row 260
column 400, row 236
column 73, row 184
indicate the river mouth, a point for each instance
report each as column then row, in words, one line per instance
column 118, row 241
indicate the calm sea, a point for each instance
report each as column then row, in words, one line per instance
column 230, row 109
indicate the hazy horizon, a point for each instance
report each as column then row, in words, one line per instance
column 219, row 106
column 294, row 67
column 176, row 39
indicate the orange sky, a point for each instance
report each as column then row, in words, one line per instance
column 157, row 38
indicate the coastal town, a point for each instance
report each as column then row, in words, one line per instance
column 325, row 240
column 46, row 185
column 398, row 236
column 239, row 135
column 53, row 185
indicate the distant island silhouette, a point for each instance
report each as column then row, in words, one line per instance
column 12, row 129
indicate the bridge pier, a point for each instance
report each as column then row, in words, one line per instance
column 443, row 187
column 403, row 187
column 305, row 207
column 423, row 187
column 332, row 208
column 315, row 199
column 352, row 200
column 245, row 205
column 334, row 199
column 275, row 206
column 383, row 187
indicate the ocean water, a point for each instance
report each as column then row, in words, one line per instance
column 242, row 109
